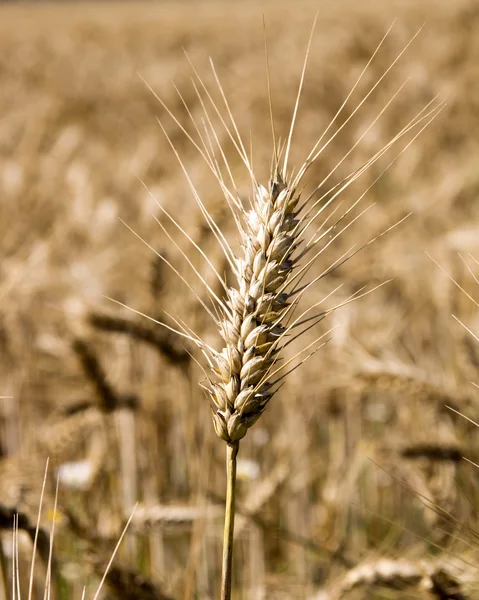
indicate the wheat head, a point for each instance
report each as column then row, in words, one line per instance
column 279, row 231
column 254, row 326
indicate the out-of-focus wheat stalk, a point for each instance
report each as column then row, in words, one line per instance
column 144, row 333
column 282, row 233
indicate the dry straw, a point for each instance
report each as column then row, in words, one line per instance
column 282, row 233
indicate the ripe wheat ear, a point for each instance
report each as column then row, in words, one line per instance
column 282, row 234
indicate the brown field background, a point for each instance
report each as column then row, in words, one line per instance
column 357, row 459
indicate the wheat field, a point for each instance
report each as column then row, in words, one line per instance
column 359, row 481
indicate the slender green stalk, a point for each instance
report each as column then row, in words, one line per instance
column 231, row 452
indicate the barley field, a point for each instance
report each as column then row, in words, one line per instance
column 360, row 479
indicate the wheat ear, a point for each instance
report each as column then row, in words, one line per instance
column 280, row 239
column 253, row 327
column 257, row 321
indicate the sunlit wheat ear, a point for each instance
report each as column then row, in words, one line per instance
column 254, row 326
column 256, row 322
column 281, row 236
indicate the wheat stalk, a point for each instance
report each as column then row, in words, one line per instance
column 280, row 240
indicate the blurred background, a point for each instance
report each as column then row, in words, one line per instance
column 353, row 484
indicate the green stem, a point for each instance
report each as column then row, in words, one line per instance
column 231, row 452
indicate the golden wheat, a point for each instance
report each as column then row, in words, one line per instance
column 73, row 142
